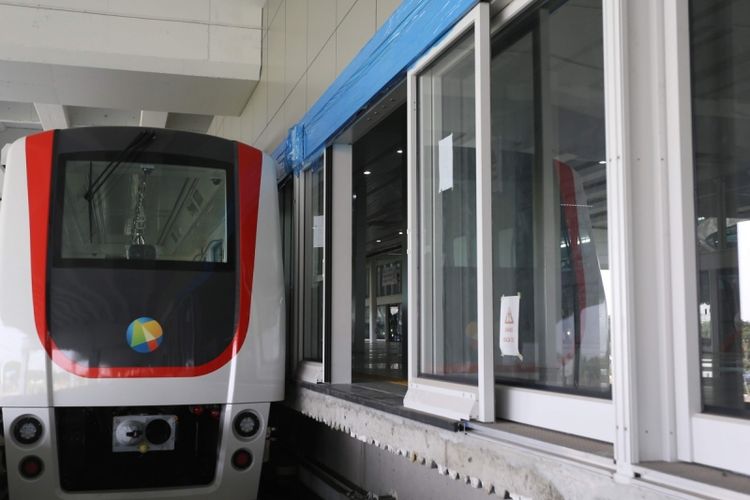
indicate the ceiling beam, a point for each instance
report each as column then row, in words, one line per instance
column 154, row 119
column 18, row 113
column 119, row 58
column 52, row 116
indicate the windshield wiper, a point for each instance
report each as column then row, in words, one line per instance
column 139, row 142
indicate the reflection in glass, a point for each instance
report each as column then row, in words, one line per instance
column 447, row 207
column 721, row 94
column 144, row 211
column 379, row 343
column 549, row 202
column 312, row 335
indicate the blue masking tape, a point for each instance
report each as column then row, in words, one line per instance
column 413, row 28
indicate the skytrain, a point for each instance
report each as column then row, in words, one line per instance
column 141, row 314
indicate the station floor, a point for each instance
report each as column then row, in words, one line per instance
column 379, row 360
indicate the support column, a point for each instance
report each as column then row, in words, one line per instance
column 52, row 116
column 154, row 119
column 341, row 272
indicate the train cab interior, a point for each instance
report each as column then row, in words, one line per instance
column 144, row 211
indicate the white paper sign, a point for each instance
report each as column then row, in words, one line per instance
column 319, row 231
column 445, row 162
column 509, row 325
column 743, row 252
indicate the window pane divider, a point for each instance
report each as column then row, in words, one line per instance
column 683, row 258
column 620, row 233
column 485, row 347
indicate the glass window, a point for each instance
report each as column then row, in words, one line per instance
column 447, row 212
column 314, row 255
column 144, row 211
column 549, row 201
column 721, row 92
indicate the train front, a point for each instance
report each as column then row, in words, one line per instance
column 141, row 324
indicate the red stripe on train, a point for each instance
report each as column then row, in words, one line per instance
column 39, row 150
column 39, row 182
column 570, row 210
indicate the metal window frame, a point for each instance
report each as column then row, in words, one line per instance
column 290, row 316
column 661, row 419
column 620, row 234
column 532, row 406
column 449, row 399
column 547, row 408
column 713, row 440
column 335, row 364
column 308, row 370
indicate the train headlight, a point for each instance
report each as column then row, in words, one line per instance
column 31, row 467
column 246, row 424
column 242, row 459
column 27, row 429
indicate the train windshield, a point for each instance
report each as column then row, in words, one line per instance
column 140, row 211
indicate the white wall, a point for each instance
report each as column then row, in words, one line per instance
column 306, row 44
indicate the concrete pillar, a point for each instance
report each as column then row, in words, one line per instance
column 153, row 119
column 52, row 116
column 341, row 273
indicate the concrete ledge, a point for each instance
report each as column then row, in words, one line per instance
column 499, row 467
column 384, row 397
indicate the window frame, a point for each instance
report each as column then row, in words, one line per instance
column 706, row 438
column 656, row 362
column 335, row 363
column 537, row 407
column 157, row 160
column 312, row 371
column 450, row 399
column 290, row 182
column 543, row 407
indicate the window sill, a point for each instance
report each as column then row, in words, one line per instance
column 569, row 446
column 384, row 396
column 693, row 479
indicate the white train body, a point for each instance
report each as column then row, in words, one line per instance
column 126, row 256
